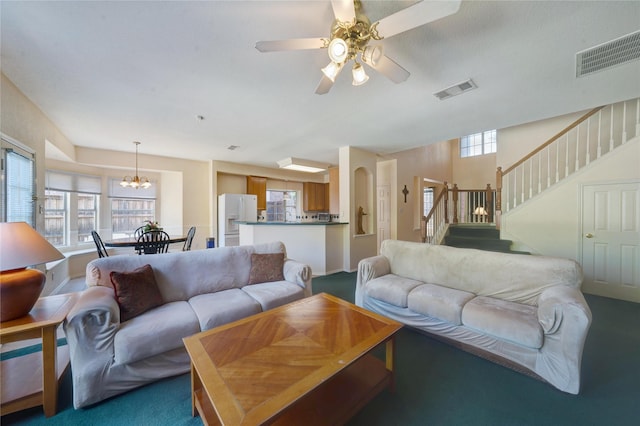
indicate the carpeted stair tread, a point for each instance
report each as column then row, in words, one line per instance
column 475, row 231
column 478, row 243
column 478, row 236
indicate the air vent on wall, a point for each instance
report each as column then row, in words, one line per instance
column 606, row 55
column 456, row 89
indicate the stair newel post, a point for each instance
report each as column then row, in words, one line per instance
column 455, row 203
column 489, row 203
column 446, row 202
column 498, row 197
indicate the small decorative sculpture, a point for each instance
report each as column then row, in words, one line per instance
column 360, row 214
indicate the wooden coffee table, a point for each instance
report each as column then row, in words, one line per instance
column 307, row 362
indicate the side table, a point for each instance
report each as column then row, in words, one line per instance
column 32, row 380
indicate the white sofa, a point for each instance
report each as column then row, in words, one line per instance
column 524, row 312
column 199, row 289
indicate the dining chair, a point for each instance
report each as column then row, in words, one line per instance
column 187, row 243
column 138, row 232
column 153, row 242
column 102, row 250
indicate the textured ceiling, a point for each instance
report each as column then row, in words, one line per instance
column 111, row 72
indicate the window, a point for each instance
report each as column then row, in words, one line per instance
column 428, row 200
column 70, row 208
column 128, row 214
column 282, row 206
column 478, row 144
column 18, row 184
column 55, row 217
column 87, row 216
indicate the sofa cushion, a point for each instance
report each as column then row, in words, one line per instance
column 136, row 291
column 391, row 288
column 439, row 302
column 505, row 320
column 154, row 332
column 275, row 293
column 266, row 267
column 225, row 306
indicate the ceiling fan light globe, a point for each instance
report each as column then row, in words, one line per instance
column 332, row 70
column 360, row 77
column 338, row 50
column 372, row 54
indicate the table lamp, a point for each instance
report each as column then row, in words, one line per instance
column 21, row 246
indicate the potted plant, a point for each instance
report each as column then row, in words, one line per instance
column 150, row 226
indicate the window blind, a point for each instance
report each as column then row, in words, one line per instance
column 20, row 187
column 72, row 182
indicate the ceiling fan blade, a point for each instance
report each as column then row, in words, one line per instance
column 344, row 10
column 415, row 16
column 390, row 69
column 324, row 86
column 292, row 44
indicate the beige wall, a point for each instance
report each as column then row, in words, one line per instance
column 431, row 162
column 22, row 120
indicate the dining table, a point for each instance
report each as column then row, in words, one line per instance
column 133, row 242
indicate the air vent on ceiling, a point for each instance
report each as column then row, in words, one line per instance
column 606, row 55
column 456, row 89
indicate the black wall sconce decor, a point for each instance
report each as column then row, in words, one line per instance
column 405, row 191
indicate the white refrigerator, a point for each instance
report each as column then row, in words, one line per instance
column 231, row 209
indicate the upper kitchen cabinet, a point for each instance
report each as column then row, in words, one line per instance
column 314, row 197
column 258, row 186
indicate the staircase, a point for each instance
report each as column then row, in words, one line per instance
column 478, row 236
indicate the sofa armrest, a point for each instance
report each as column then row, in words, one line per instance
column 90, row 329
column 560, row 304
column 298, row 273
column 565, row 318
column 368, row 269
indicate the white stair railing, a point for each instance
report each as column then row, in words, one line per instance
column 597, row 133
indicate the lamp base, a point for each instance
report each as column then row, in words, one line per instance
column 19, row 291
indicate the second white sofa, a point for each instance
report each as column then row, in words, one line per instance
column 526, row 312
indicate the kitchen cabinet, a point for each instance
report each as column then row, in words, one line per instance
column 315, row 197
column 257, row 186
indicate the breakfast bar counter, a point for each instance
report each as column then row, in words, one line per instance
column 318, row 244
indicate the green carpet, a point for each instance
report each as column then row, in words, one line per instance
column 436, row 384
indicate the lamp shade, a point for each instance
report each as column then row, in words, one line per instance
column 22, row 246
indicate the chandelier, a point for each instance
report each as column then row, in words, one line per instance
column 135, row 181
column 348, row 40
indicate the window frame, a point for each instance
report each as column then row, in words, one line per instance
column 8, row 147
column 477, row 144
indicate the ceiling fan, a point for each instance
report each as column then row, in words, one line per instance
column 351, row 33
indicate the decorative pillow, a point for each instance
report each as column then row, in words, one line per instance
column 266, row 267
column 136, row 291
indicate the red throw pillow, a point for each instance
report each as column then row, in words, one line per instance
column 136, row 291
column 266, row 267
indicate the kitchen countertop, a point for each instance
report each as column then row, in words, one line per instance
column 293, row 223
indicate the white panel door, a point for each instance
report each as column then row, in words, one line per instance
column 384, row 211
column 611, row 240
